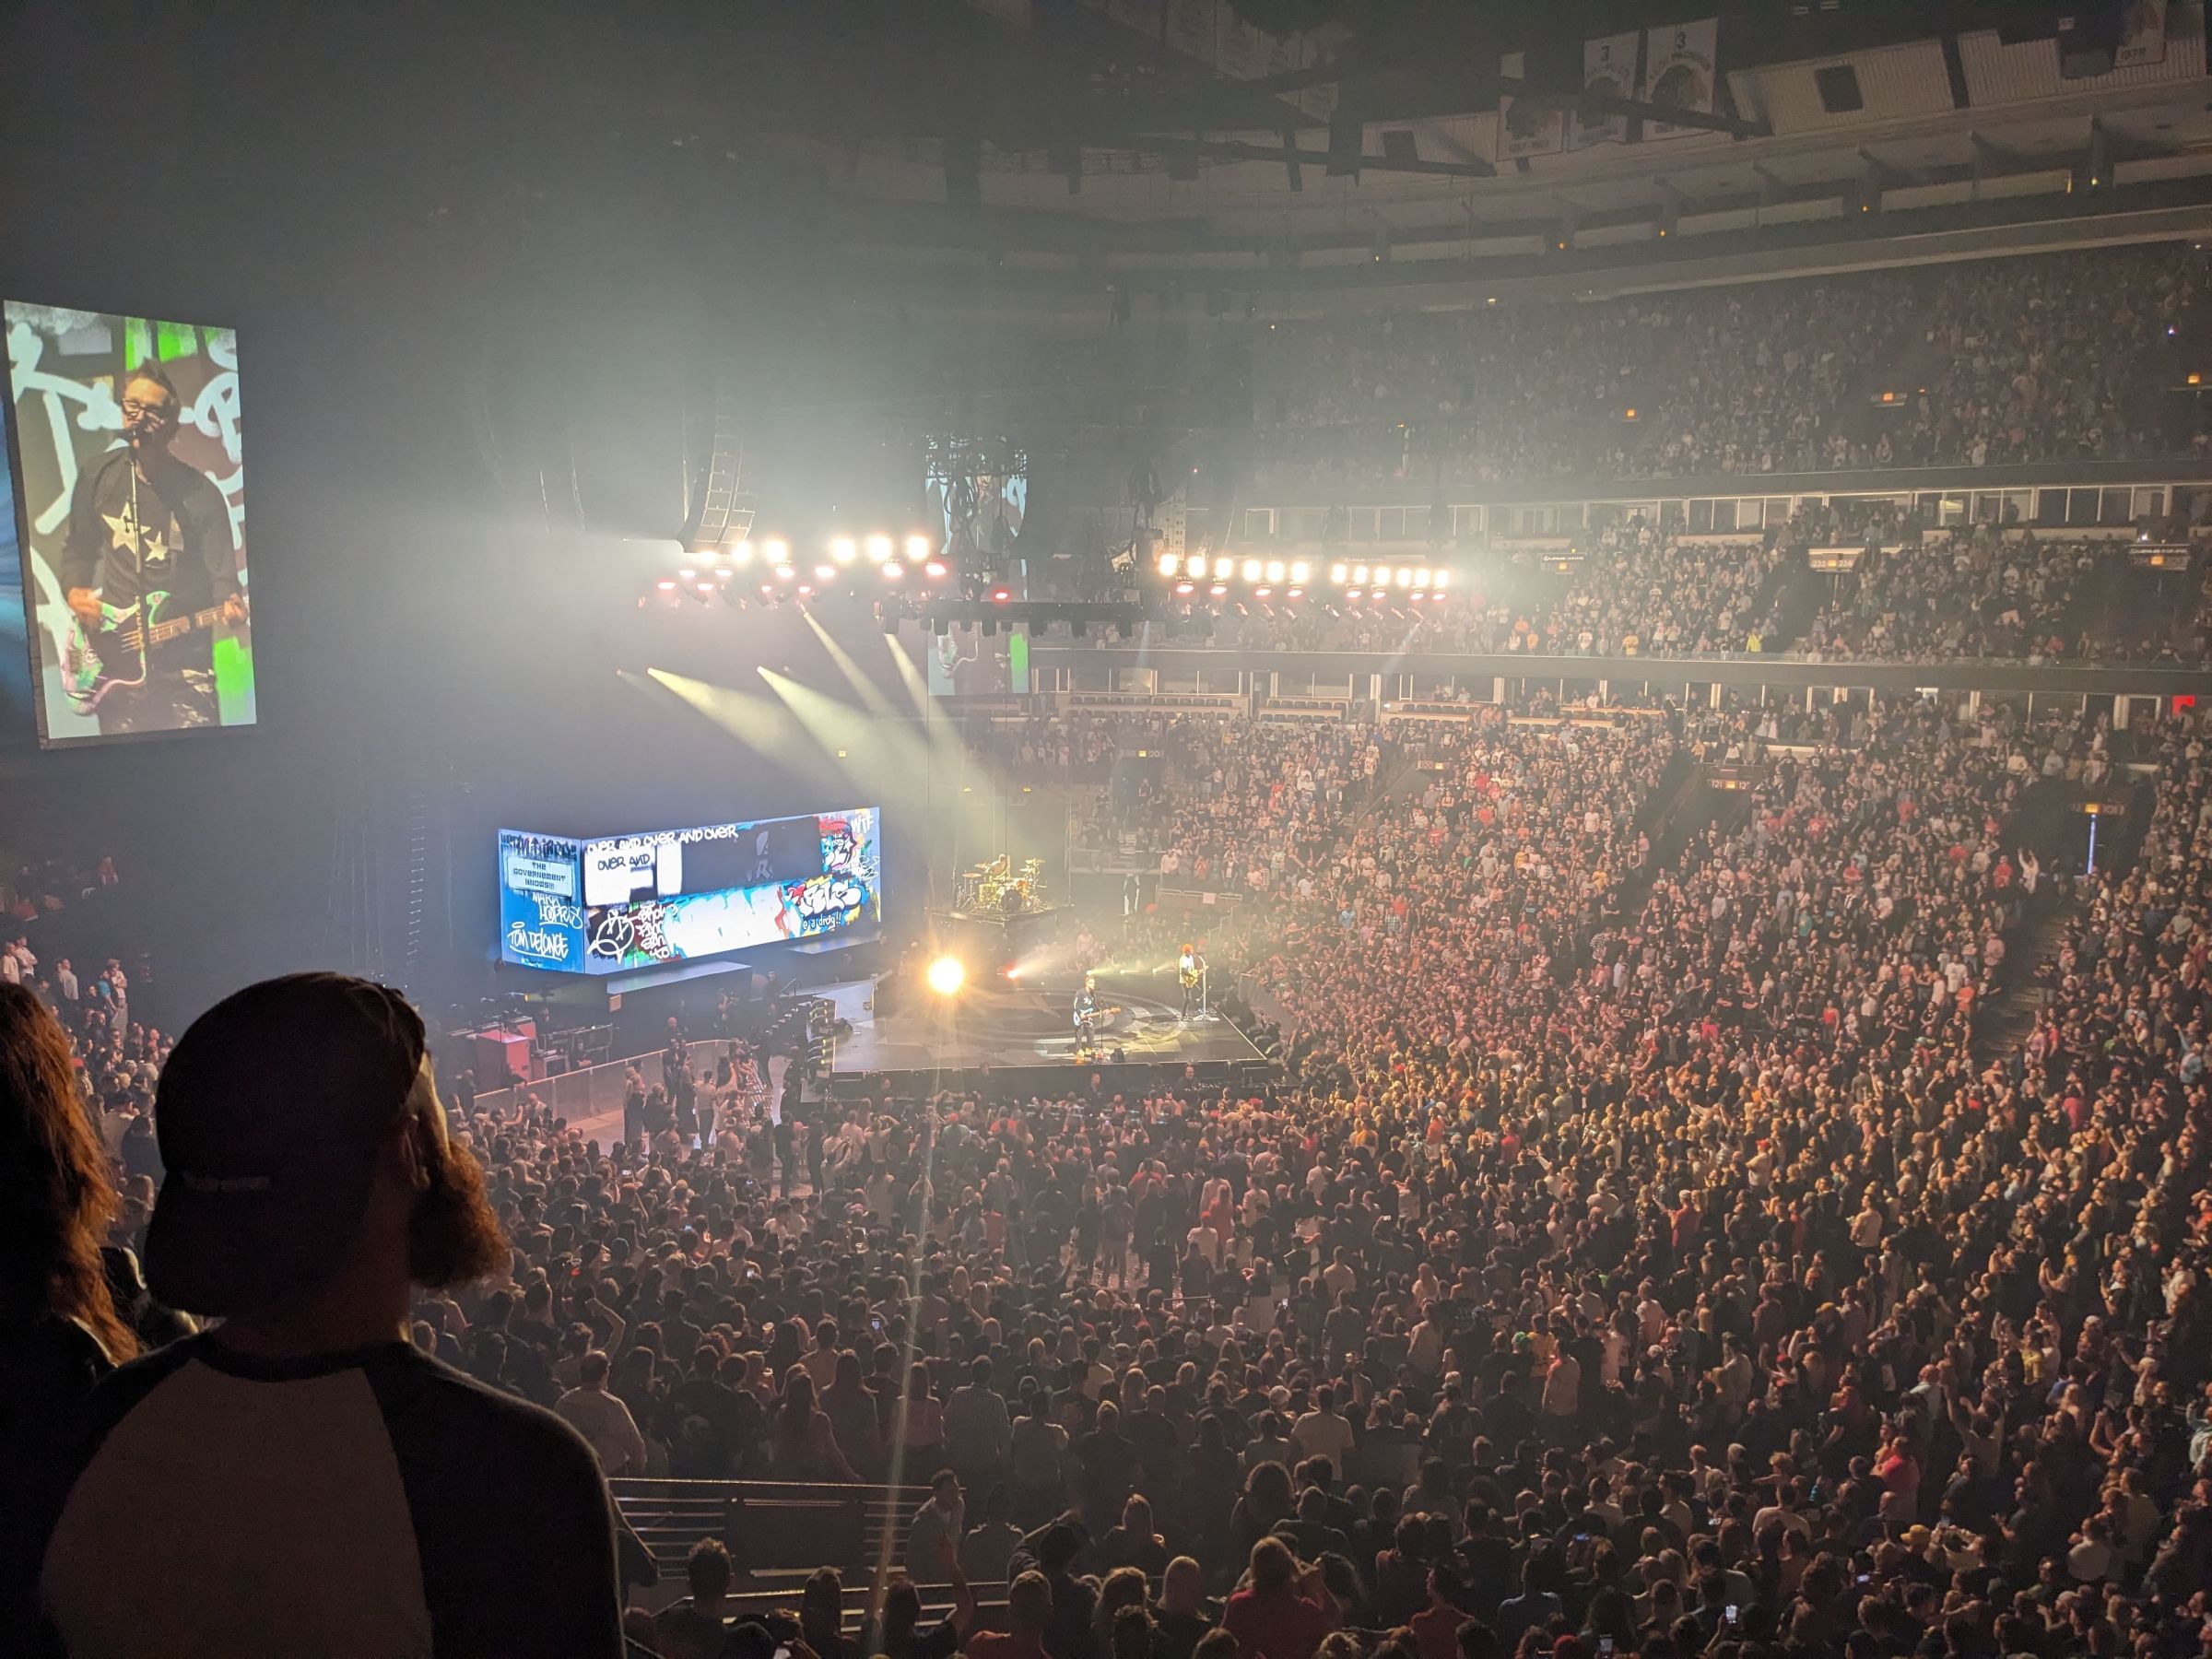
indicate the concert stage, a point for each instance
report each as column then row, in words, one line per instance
column 1024, row 1035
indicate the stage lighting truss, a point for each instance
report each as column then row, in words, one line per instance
column 858, row 565
column 1000, row 610
column 1239, row 577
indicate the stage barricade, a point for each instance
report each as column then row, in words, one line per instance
column 1199, row 898
column 771, row 1528
column 936, row 1603
column 589, row 1092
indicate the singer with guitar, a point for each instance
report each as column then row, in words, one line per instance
column 1190, row 974
column 151, row 570
column 1086, row 1015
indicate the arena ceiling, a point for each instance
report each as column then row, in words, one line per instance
column 1059, row 148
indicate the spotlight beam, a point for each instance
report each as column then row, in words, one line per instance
column 762, row 724
column 964, row 796
column 943, row 742
column 875, row 749
column 917, row 688
column 871, row 697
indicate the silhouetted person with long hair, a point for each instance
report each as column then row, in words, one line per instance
column 59, row 1331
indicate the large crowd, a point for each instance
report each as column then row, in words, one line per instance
column 1636, row 1248
column 1735, row 381
column 1982, row 596
column 1233, row 804
column 1727, row 1178
column 1630, row 590
column 43, row 886
column 2039, row 359
column 1646, row 1242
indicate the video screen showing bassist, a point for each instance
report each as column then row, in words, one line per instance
column 150, row 569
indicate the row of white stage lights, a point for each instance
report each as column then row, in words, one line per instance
column 1213, row 573
column 712, row 570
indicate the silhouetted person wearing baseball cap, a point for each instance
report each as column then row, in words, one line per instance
column 301, row 1479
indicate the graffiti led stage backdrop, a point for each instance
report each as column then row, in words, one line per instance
column 131, row 498
column 635, row 900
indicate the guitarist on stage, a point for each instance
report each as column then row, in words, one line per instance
column 1085, row 1014
column 1190, row 973
column 141, row 523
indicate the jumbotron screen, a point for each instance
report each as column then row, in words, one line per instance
column 630, row 901
column 130, row 496
column 15, row 671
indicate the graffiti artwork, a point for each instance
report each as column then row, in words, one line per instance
column 682, row 895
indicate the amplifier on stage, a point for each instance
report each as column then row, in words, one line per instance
column 502, row 1053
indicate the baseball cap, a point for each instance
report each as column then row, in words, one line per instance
column 270, row 1113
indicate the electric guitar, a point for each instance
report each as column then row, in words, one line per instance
column 95, row 662
column 1087, row 1018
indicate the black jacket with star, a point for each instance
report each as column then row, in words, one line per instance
column 177, row 518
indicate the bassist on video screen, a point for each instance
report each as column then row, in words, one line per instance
column 149, row 546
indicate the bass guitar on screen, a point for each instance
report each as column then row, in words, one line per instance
column 98, row 661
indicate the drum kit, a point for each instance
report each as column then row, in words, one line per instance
column 999, row 888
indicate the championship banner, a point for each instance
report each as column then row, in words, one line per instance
column 1678, row 73
column 1239, row 51
column 2142, row 34
column 1524, row 129
column 1191, row 29
column 1140, row 15
column 1608, row 67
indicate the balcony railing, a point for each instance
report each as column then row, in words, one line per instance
column 1299, row 671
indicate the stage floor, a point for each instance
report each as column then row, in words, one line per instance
column 1028, row 1028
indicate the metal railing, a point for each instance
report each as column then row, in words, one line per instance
column 1340, row 668
column 770, row 1527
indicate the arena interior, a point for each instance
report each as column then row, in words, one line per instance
column 1106, row 829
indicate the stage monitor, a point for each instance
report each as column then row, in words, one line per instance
column 629, row 901
column 129, row 500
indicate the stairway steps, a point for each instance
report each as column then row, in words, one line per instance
column 2003, row 1022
